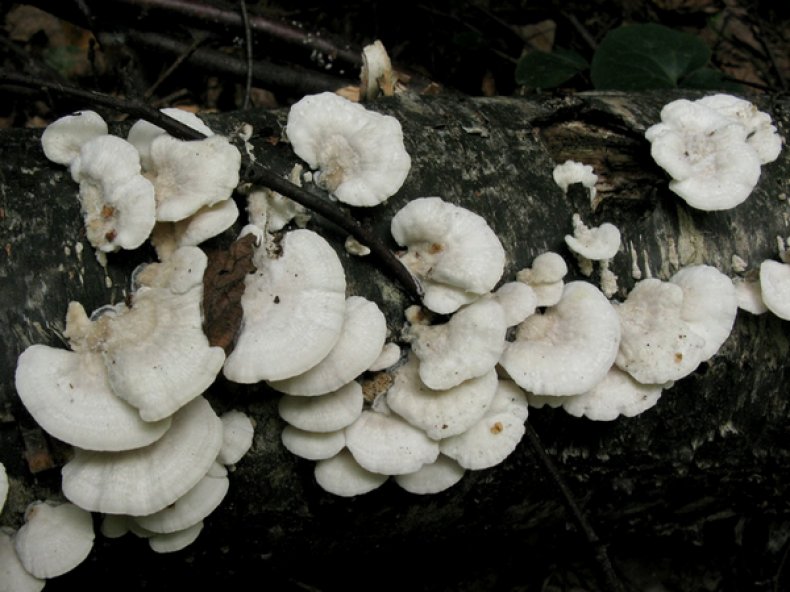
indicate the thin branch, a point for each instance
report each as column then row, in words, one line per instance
column 610, row 579
column 174, row 66
column 248, row 53
column 265, row 73
column 255, row 172
column 218, row 13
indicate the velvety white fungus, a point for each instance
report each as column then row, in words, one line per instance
column 237, row 433
column 13, row 575
column 518, row 300
column 360, row 153
column 491, row 440
column 190, row 508
column 467, row 346
column 175, row 541
column 114, row 526
column 388, row 445
column 657, row 345
column 437, row 476
column 749, row 295
column 157, row 356
column 762, row 135
column 709, row 304
column 775, row 287
column 207, row 222
column 188, row 176
column 143, row 481
column 617, row 394
column 363, row 333
column 439, row 413
column 567, row 350
column 179, row 273
column 63, row 138
column 143, row 133
column 3, row 486
column 69, row 395
column 312, row 445
column 294, row 309
column 55, row 538
column 376, row 75
column 341, row 475
column 117, row 202
column 596, row 243
column 452, row 251
column 706, row 154
column 325, row 413
column 545, row 277
column 571, row 172
column 389, row 356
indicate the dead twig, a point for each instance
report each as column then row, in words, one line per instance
column 248, row 53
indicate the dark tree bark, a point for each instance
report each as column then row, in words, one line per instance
column 696, row 486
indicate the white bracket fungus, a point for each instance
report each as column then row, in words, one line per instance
column 376, row 75
column 325, row 413
column 207, row 222
column 571, row 172
column 775, row 287
column 360, row 153
column 432, row 478
column 362, row 337
column 15, row 578
column 749, row 295
column 597, row 243
column 142, row 134
column 62, row 139
column 145, row 480
column 439, row 413
column 175, row 541
column 452, row 251
column 237, row 433
column 341, row 475
column 545, row 277
column 55, row 538
column 69, row 395
column 3, row 486
column 388, row 445
column 713, row 148
column 294, row 309
column 491, row 439
column 312, row 445
column 467, row 346
column 570, row 348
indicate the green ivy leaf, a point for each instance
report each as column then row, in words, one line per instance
column 539, row 69
column 639, row 57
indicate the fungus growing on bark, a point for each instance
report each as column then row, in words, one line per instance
column 325, row 413
column 55, row 538
column 545, row 277
column 570, row 172
column 312, row 445
column 237, row 434
column 63, row 138
column 294, row 309
column 567, row 350
column 453, row 251
column 15, row 578
column 342, row 475
column 775, row 287
column 359, row 153
column 434, row 477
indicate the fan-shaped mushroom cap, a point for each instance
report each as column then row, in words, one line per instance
column 775, row 287
column 3, row 486
column 157, row 356
column 467, row 346
column 363, row 333
column 15, row 578
column 570, row 172
column 207, row 222
column 190, row 508
column 325, row 413
column 389, row 356
column 518, row 300
column 175, row 541
column 69, row 395
column 440, row 413
column 437, row 476
column 709, row 304
column 54, row 539
column 706, row 153
column 342, row 475
column 545, row 277
column 570, row 348
column 749, row 295
column 237, row 433
column 596, row 243
column 63, row 138
column 143, row 133
column 388, row 445
column 294, row 308
column 762, row 135
column 313, row 445
column 617, row 394
column 360, row 153
column 491, row 440
column 190, row 175
column 452, row 250
column 179, row 273
column 657, row 344
column 143, row 481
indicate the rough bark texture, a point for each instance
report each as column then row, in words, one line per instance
column 693, row 493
